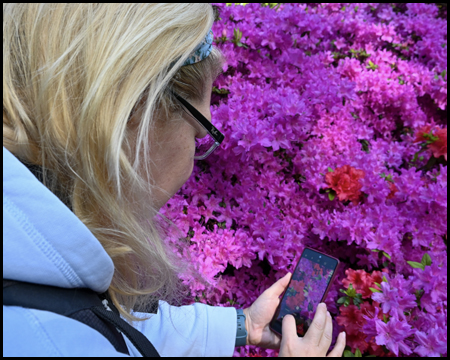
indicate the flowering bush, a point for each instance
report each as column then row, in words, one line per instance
column 335, row 124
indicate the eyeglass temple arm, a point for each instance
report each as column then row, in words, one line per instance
column 216, row 134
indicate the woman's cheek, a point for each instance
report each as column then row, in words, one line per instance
column 190, row 169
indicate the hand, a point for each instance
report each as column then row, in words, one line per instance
column 317, row 339
column 261, row 312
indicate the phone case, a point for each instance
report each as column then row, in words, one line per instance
column 326, row 291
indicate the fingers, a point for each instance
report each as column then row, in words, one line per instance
column 327, row 335
column 339, row 347
column 279, row 286
column 288, row 329
column 315, row 331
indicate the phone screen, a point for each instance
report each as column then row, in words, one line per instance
column 307, row 288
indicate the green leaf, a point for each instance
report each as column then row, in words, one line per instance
column 430, row 137
column 358, row 353
column 375, row 250
column 357, row 300
column 387, row 255
column 365, row 145
column 220, row 91
column 347, row 302
column 426, row 260
column 379, row 285
column 341, row 300
column 231, row 301
column 322, row 174
column 348, row 353
column 237, row 35
column 384, row 279
column 372, row 66
column 419, row 294
column 331, row 195
column 330, row 169
column 416, row 265
column 351, row 291
column 385, row 319
column 375, row 290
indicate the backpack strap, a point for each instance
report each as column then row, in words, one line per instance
column 81, row 304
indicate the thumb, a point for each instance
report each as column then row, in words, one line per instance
column 278, row 287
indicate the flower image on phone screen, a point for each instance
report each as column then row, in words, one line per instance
column 307, row 288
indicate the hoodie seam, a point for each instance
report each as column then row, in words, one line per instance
column 41, row 242
column 40, row 329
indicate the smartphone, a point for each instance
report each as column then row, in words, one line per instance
column 309, row 285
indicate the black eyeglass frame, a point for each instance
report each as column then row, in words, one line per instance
column 207, row 125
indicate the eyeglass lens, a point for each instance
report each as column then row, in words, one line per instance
column 202, row 146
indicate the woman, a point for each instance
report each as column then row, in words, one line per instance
column 94, row 105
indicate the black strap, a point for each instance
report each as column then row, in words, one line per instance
column 68, row 302
column 138, row 339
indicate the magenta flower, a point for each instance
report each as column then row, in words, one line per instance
column 317, row 86
column 393, row 335
column 432, row 344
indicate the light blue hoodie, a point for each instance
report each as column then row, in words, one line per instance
column 45, row 243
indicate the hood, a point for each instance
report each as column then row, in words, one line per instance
column 43, row 241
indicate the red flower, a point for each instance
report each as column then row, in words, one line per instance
column 421, row 132
column 254, row 355
column 377, row 277
column 368, row 309
column 351, row 318
column 439, row 147
column 297, row 300
column 317, row 270
column 298, row 286
column 360, row 280
column 344, row 181
column 393, row 189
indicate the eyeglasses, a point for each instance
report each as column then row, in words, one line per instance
column 206, row 145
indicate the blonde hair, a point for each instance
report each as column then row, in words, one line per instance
column 73, row 73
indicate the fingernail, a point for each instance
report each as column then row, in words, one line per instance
column 323, row 305
column 328, row 314
column 343, row 334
